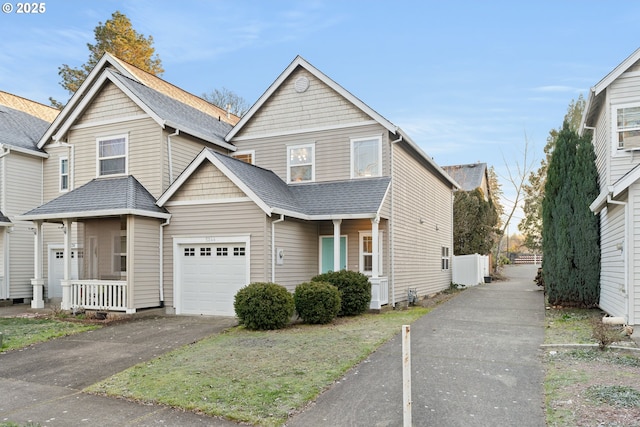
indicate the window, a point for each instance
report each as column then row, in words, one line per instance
column 120, row 253
column 189, row 251
column 222, row 251
column 366, row 157
column 445, row 258
column 238, row 251
column 300, row 163
column 366, row 253
column 64, row 174
column 112, row 156
column 246, row 156
column 627, row 127
column 205, row 251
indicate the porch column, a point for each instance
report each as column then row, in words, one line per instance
column 37, row 282
column 66, row 281
column 375, row 249
column 336, row 244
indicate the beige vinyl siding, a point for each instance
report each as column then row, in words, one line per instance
column 601, row 140
column 111, row 104
column 634, row 254
column 422, row 225
column 217, row 220
column 288, row 110
column 23, row 174
column 143, row 262
column 4, row 292
column 207, row 182
column 624, row 90
column 299, row 240
column 612, row 274
column 332, row 150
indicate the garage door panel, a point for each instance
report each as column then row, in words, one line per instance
column 210, row 277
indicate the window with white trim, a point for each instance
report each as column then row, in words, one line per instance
column 445, row 258
column 64, row 174
column 366, row 157
column 120, row 253
column 366, row 252
column 627, row 127
column 301, row 163
column 112, row 155
column 247, row 156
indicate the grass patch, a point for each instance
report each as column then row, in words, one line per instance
column 569, row 326
column 18, row 332
column 259, row 377
column 615, row 395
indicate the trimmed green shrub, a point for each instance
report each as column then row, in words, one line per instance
column 264, row 306
column 317, row 302
column 354, row 287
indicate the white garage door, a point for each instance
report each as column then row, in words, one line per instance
column 210, row 276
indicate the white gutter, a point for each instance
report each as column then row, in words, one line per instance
column 176, row 133
column 162, row 226
column 273, row 247
column 392, row 229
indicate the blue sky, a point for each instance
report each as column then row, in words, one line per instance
column 467, row 80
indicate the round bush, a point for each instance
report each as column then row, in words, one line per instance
column 354, row 287
column 264, row 306
column 317, row 302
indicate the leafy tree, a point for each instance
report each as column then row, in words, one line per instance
column 117, row 37
column 474, row 223
column 531, row 224
column 227, row 100
column 570, row 231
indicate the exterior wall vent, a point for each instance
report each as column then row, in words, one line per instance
column 301, row 84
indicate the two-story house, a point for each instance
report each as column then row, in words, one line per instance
column 612, row 113
column 327, row 183
column 470, row 177
column 319, row 182
column 22, row 124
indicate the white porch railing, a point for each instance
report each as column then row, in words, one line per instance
column 379, row 292
column 99, row 294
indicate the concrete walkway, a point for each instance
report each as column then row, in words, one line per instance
column 475, row 362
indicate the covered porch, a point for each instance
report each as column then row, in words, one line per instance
column 111, row 233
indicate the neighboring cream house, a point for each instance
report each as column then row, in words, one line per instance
column 612, row 113
column 169, row 204
column 22, row 124
column 470, row 177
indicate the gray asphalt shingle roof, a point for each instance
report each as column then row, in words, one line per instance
column 19, row 129
column 101, row 195
column 175, row 111
column 348, row 197
column 3, row 218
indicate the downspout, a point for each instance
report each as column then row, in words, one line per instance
column 392, row 228
column 162, row 226
column 625, row 248
column 176, row 133
column 273, row 247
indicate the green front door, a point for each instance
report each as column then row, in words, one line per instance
column 326, row 245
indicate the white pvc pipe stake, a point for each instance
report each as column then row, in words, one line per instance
column 406, row 375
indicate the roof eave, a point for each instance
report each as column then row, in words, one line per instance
column 92, row 214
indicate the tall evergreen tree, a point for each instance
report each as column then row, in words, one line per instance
column 570, row 231
column 118, row 37
column 474, row 223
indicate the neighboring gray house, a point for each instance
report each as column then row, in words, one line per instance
column 612, row 112
column 470, row 177
column 22, row 124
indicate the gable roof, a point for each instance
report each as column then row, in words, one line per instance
column 22, row 124
column 301, row 62
column 100, row 197
column 596, row 98
column 359, row 198
column 469, row 176
column 165, row 109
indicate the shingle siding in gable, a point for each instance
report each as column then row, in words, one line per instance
column 112, row 103
column 289, row 110
column 207, row 182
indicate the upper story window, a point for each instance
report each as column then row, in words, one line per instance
column 366, row 157
column 247, row 156
column 64, row 174
column 112, row 155
column 627, row 127
column 301, row 163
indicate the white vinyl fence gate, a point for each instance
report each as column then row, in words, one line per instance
column 470, row 270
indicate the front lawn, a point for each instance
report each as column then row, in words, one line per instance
column 19, row 332
column 258, row 377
